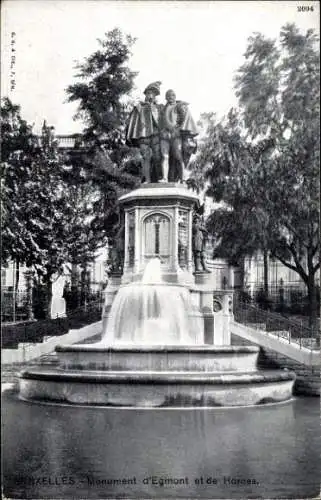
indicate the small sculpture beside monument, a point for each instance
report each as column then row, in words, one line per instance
column 58, row 303
column 117, row 251
column 199, row 238
column 165, row 135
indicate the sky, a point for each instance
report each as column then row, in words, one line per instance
column 193, row 47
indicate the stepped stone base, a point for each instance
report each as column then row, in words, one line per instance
column 203, row 358
column 156, row 376
column 141, row 389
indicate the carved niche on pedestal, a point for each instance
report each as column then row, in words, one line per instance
column 156, row 237
column 183, row 238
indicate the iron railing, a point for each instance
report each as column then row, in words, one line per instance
column 294, row 332
column 38, row 331
column 17, row 306
column 291, row 297
column 14, row 306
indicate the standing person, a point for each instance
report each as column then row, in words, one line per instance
column 143, row 129
column 177, row 129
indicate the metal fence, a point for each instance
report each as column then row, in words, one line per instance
column 14, row 306
column 38, row 331
column 18, row 306
column 290, row 296
column 294, row 332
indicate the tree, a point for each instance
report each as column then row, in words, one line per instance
column 84, row 239
column 103, row 96
column 232, row 166
column 263, row 160
column 45, row 222
column 34, row 207
column 18, row 145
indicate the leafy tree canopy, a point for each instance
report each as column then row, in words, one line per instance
column 102, row 91
column 262, row 160
column 31, row 208
column 45, row 222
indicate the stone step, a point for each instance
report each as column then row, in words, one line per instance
column 190, row 358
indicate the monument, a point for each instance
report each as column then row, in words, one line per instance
column 164, row 133
column 166, row 338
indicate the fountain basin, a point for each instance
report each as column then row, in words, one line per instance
column 156, row 376
column 203, row 358
column 156, row 389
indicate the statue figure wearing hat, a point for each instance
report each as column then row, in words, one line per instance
column 143, row 129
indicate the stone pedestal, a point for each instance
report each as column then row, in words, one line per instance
column 216, row 308
column 223, row 313
column 203, row 278
column 158, row 223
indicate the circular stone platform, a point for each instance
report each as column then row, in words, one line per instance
column 156, row 376
column 183, row 358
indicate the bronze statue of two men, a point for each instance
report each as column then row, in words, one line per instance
column 165, row 135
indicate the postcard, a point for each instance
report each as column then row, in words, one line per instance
column 160, row 261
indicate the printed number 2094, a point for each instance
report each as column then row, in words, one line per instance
column 305, row 8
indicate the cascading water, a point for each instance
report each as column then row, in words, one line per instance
column 153, row 351
column 152, row 312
